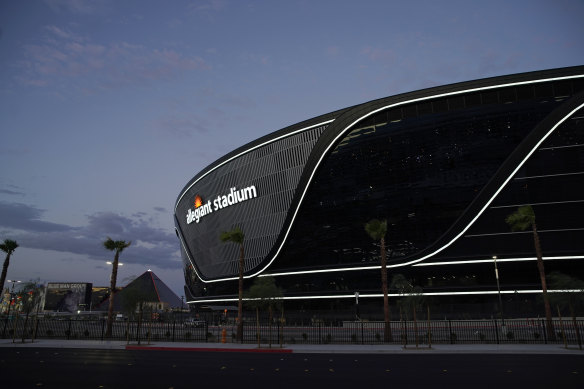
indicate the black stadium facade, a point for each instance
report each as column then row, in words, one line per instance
column 445, row 166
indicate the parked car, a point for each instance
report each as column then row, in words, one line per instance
column 195, row 323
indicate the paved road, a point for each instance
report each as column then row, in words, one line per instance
column 109, row 368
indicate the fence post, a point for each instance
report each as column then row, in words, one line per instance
column 173, row 326
column 36, row 327
column 496, row 330
column 544, row 331
column 319, row 333
column 362, row 338
column 102, row 329
column 450, row 331
column 69, row 330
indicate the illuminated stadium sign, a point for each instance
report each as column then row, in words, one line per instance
column 234, row 196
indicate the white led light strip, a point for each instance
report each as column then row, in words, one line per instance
column 394, row 295
column 347, row 129
column 247, row 151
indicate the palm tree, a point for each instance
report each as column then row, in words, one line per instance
column 571, row 295
column 411, row 298
column 521, row 220
column 118, row 246
column 8, row 247
column 237, row 236
column 377, row 230
column 264, row 293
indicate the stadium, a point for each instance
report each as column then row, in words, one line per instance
column 444, row 166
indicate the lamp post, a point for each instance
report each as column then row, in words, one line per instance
column 499, row 290
column 357, row 306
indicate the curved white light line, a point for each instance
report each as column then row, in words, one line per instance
column 377, row 295
column 247, row 151
column 498, row 260
column 342, row 133
column 187, row 253
column 406, row 102
column 418, row 264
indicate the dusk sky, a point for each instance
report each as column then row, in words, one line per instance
column 108, row 107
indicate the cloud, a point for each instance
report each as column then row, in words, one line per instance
column 183, row 128
column 75, row 6
column 64, row 55
column 207, row 5
column 376, row 54
column 12, row 192
column 332, row 51
column 153, row 246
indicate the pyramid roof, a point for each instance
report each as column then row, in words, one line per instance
column 151, row 289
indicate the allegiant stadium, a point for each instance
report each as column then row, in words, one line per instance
column 444, row 166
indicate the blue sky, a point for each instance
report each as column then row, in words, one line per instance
column 108, row 108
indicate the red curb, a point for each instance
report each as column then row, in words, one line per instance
column 210, row 349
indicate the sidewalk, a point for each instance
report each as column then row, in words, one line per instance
column 304, row 348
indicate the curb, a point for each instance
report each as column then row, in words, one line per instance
column 211, row 349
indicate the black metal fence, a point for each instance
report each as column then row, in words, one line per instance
column 527, row 331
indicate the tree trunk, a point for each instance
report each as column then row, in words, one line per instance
column 270, row 326
column 4, row 272
column 239, row 334
column 387, row 337
column 110, row 311
column 258, row 325
column 546, row 301
column 415, row 325
column 575, row 323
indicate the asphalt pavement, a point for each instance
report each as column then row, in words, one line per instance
column 302, row 348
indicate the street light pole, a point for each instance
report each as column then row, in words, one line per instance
column 499, row 290
column 357, row 306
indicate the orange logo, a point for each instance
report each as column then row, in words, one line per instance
column 198, row 201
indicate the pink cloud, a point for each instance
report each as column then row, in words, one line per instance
column 377, row 54
column 110, row 65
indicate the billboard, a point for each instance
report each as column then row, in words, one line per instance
column 67, row 296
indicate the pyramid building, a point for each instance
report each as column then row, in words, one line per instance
column 150, row 289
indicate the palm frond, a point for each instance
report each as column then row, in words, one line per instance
column 376, row 229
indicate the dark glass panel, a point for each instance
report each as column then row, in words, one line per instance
column 455, row 102
column 473, row 99
column 544, row 90
column 525, row 92
column 440, row 105
column 490, row 97
column 410, row 111
column 507, row 95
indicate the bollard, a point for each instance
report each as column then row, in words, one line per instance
column 224, row 336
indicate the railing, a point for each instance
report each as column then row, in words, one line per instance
column 407, row 333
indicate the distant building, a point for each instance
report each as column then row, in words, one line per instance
column 147, row 288
column 98, row 295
